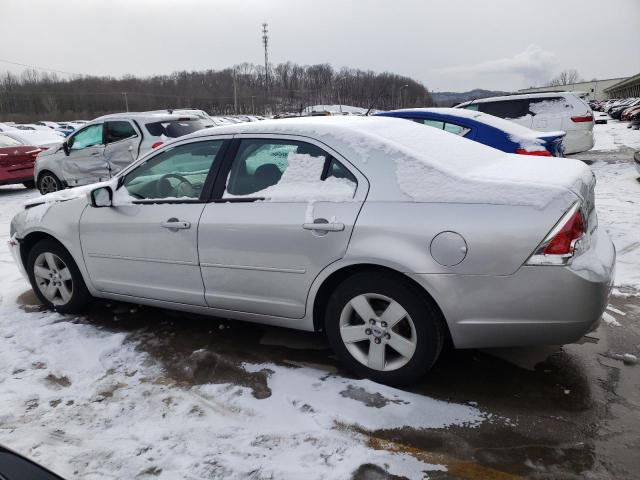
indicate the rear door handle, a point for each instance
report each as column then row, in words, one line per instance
column 324, row 227
column 174, row 224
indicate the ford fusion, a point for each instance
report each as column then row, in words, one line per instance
column 391, row 237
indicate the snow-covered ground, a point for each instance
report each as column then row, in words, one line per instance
column 89, row 403
column 618, row 199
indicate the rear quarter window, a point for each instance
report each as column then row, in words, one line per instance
column 552, row 105
column 174, row 128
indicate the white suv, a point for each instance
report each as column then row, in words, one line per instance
column 106, row 145
column 545, row 112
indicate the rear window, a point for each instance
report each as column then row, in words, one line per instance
column 175, row 128
column 8, row 141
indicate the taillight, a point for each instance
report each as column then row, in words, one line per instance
column 561, row 244
column 156, row 145
column 583, row 118
column 538, row 153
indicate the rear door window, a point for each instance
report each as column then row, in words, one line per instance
column 515, row 108
column 271, row 168
column 456, row 129
column 119, row 130
column 175, row 128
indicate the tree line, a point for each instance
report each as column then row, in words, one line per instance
column 242, row 89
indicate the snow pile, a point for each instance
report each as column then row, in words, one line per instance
column 618, row 204
column 613, row 135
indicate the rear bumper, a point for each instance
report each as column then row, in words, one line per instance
column 538, row 305
column 578, row 141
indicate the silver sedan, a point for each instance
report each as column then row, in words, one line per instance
column 390, row 237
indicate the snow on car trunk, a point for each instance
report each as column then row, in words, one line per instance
column 435, row 166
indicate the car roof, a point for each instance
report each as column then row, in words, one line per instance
column 506, row 126
column 518, row 96
column 145, row 117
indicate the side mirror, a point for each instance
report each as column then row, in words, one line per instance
column 101, row 197
column 66, row 147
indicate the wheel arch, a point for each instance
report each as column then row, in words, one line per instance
column 29, row 241
column 330, row 283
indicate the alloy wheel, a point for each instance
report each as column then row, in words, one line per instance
column 48, row 184
column 378, row 332
column 53, row 278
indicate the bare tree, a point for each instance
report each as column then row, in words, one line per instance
column 566, row 77
column 39, row 96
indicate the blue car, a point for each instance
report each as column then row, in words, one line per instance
column 487, row 129
column 65, row 129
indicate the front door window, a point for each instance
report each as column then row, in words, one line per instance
column 177, row 173
column 87, row 137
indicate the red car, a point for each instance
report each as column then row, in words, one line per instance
column 16, row 162
column 626, row 115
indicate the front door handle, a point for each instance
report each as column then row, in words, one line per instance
column 323, row 226
column 174, row 224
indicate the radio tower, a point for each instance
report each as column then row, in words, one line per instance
column 265, row 42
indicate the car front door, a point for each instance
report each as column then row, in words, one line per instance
column 122, row 144
column 146, row 246
column 84, row 162
column 284, row 210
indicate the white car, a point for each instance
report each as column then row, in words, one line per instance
column 46, row 140
column 104, row 146
column 44, row 123
column 545, row 112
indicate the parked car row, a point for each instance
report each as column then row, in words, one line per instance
column 315, row 224
column 96, row 150
column 625, row 109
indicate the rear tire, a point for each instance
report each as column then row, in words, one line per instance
column 48, row 183
column 55, row 278
column 401, row 339
column 29, row 184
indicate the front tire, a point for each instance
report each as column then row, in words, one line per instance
column 384, row 328
column 48, row 183
column 29, row 184
column 55, row 278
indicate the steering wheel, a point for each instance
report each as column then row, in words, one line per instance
column 164, row 189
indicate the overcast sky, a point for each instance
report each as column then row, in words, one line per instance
column 446, row 44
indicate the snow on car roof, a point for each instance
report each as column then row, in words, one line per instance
column 506, row 126
column 146, row 116
column 519, row 96
column 428, row 164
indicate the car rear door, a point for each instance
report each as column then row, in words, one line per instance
column 284, row 210
column 147, row 247
column 122, row 144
